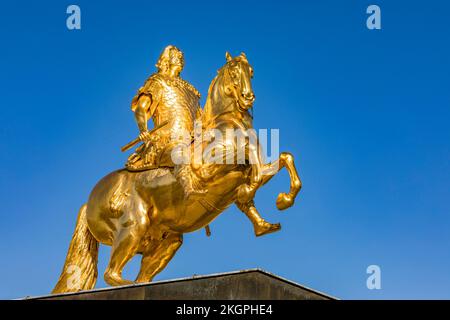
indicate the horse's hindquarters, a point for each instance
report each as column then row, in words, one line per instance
column 154, row 200
column 107, row 203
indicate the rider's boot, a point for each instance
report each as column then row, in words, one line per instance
column 260, row 226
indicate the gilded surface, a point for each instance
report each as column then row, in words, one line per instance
column 146, row 207
column 165, row 98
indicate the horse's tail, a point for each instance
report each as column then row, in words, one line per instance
column 80, row 269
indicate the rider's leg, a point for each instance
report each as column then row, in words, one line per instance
column 157, row 256
column 260, row 226
column 183, row 174
column 180, row 155
column 246, row 192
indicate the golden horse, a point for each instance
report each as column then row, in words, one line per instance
column 147, row 213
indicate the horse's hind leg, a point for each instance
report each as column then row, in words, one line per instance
column 157, row 256
column 125, row 246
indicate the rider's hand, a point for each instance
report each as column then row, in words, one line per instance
column 144, row 136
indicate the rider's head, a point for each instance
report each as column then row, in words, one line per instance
column 171, row 61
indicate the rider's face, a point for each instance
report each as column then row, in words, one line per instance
column 177, row 62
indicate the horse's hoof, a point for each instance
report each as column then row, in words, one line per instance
column 284, row 201
column 115, row 280
column 266, row 228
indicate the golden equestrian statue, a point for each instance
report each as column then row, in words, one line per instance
column 166, row 189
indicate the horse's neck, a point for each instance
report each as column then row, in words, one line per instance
column 216, row 101
column 219, row 106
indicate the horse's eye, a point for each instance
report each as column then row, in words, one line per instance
column 250, row 70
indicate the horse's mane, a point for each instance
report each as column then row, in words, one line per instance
column 206, row 109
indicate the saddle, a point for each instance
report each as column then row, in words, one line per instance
column 152, row 154
column 148, row 156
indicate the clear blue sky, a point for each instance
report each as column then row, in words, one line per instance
column 366, row 113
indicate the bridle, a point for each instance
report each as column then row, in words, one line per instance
column 233, row 91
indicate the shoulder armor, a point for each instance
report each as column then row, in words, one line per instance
column 152, row 87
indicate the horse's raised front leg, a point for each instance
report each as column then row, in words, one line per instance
column 260, row 226
column 157, row 255
column 286, row 160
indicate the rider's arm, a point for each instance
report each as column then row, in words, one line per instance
column 142, row 112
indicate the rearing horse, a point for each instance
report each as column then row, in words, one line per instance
column 146, row 212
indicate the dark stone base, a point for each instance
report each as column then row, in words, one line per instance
column 252, row 284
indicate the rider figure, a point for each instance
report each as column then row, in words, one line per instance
column 166, row 98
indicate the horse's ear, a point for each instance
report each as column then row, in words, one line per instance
column 243, row 55
column 228, row 56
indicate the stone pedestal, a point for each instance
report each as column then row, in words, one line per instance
column 254, row 284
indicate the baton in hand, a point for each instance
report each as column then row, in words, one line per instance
column 137, row 140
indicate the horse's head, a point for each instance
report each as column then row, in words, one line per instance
column 231, row 90
column 237, row 74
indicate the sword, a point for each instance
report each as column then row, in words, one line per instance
column 129, row 145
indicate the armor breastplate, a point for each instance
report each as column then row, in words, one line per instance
column 177, row 103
